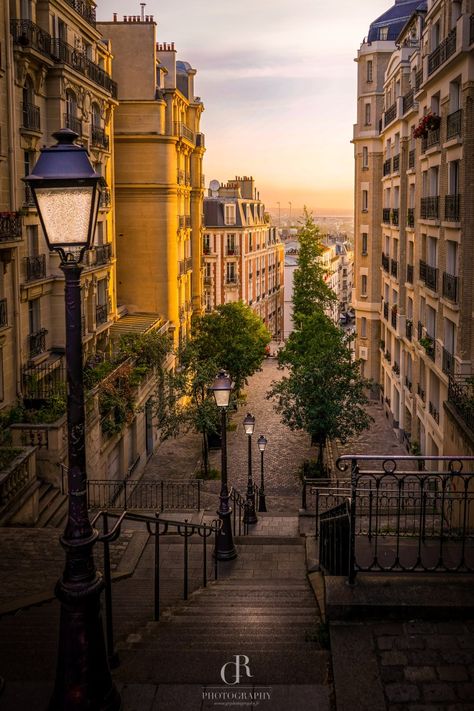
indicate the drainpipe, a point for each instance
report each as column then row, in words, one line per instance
column 12, row 179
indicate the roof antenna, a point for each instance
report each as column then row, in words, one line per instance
column 142, row 5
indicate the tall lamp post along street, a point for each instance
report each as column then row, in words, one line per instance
column 262, row 443
column 225, row 549
column 250, row 516
column 66, row 191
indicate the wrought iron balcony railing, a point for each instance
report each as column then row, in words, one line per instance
column 410, row 273
column 386, row 215
column 429, row 275
column 411, row 158
column 411, row 217
column 419, row 331
column 35, row 267
column 85, row 9
column 394, row 317
column 454, row 124
column 385, row 262
column 74, row 123
column 37, row 342
column 387, row 166
column 233, row 281
column 231, row 251
column 101, row 314
column 429, row 208
column 461, row 396
column 29, row 201
column 408, row 100
column 66, row 54
column 26, row 34
column 390, row 115
column 418, row 79
column 431, row 139
column 434, row 412
column 409, row 329
column 99, row 138
column 448, row 362
column 452, row 208
column 182, row 131
column 3, row 313
column 394, row 267
column 442, row 52
column 200, row 141
column 385, row 311
column 103, row 253
column 395, row 216
column 408, row 383
column 10, row 226
column 105, row 198
column 30, row 117
column 450, row 286
column 396, row 163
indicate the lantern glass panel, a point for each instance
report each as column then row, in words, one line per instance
column 66, row 213
column 222, row 397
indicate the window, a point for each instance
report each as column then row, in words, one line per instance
column 431, row 250
column 230, row 244
column 71, row 105
column 206, row 244
column 369, row 70
column 367, row 114
column 383, row 34
column 34, row 316
column 230, row 273
column 449, row 335
column 363, row 285
column 95, row 116
column 365, row 157
column 451, row 257
column 32, row 239
column 454, row 96
column 365, row 200
column 230, row 214
column 363, row 327
column 453, row 167
column 102, row 292
column 365, row 239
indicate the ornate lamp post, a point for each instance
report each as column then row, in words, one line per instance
column 262, row 443
column 250, row 516
column 66, row 191
column 225, row 549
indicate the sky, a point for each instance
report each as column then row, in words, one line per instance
column 278, row 82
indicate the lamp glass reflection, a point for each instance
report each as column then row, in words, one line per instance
column 66, row 213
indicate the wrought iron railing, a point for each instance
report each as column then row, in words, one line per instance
column 408, row 383
column 434, row 411
column 37, row 342
column 448, row 362
column 101, row 314
column 66, row 54
column 74, row 123
column 30, row 117
column 145, row 494
column 105, row 198
column 442, row 53
column 430, row 208
column 85, row 9
column 393, row 317
column 35, row 267
column 10, row 226
column 396, row 163
column 431, row 139
column 385, row 262
column 3, row 313
column 411, row 217
column 409, row 329
column 454, row 124
column 411, row 158
column 419, row 331
column 99, row 138
column 408, row 100
column 390, row 115
column 385, row 311
column 386, row 215
column 395, row 216
column 450, row 286
column 410, row 273
column 418, row 79
column 334, row 539
column 232, row 251
column 452, row 208
column 182, row 131
column 429, row 275
column 461, row 397
column 26, row 34
column 387, row 166
column 394, row 267
column 44, row 380
column 103, row 253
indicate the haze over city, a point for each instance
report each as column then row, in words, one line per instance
column 278, row 84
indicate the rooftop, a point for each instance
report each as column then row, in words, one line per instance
column 394, row 20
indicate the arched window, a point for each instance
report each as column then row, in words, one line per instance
column 30, row 112
column 71, row 119
column 95, row 116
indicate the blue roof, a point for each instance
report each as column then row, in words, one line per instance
column 395, row 19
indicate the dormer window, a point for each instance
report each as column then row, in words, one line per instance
column 383, row 34
column 229, row 214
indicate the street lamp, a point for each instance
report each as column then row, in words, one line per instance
column 225, row 549
column 66, row 191
column 262, row 443
column 250, row 515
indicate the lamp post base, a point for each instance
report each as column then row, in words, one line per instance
column 250, row 516
column 262, row 506
column 225, row 549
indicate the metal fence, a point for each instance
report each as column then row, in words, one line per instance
column 145, row 494
column 334, row 539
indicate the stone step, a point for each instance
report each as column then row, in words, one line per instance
column 209, row 610
column 53, row 505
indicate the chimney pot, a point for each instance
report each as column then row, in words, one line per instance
column 115, row 17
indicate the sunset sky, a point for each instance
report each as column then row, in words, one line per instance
column 278, row 82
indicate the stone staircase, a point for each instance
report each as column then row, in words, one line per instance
column 262, row 607
column 52, row 507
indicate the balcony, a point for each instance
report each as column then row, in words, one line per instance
column 448, row 362
column 99, row 138
column 442, row 53
column 429, row 275
column 387, row 166
column 411, row 217
column 187, row 220
column 385, row 311
column 431, row 139
column 105, row 198
column 421, row 393
column 231, row 251
column 29, row 200
column 410, row 273
column 427, row 342
column 418, row 79
column 390, row 115
column 181, row 177
column 3, row 313
column 103, row 254
column 30, row 117
column 411, row 158
column 394, row 317
column 385, row 262
column 429, row 208
column 434, row 412
column 396, row 368
column 101, row 314
column 396, row 163
column 454, row 124
column 200, row 143
column 182, row 131
column 461, row 397
column 65, row 54
column 394, row 268
column 408, row 100
column 450, row 287
column 471, row 30
column 207, row 281
column 388, row 356
column 386, row 215
column 181, row 222
column 419, row 333
column 408, row 383
column 85, row 9
column 409, row 329
column 37, row 342
column 10, row 227
column 395, row 216
column 188, row 264
column 452, row 205
column 233, row 281
column 35, row 267
column 73, row 123
column 26, row 34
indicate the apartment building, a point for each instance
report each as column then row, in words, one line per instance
column 419, row 208
column 243, row 255
column 159, row 183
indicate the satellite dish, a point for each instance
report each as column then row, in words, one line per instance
column 214, row 186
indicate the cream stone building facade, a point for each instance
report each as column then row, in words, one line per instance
column 159, row 182
column 413, row 255
column 243, row 255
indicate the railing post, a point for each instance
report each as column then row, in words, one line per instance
column 157, row 569
column 216, row 532
column 354, row 472
column 199, row 494
column 370, row 510
column 303, row 495
column 204, row 560
column 316, row 515
column 162, row 485
column 185, row 589
column 109, row 628
column 125, row 503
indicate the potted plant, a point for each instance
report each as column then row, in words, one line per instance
column 429, row 122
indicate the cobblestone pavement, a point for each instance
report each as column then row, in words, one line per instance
column 32, row 559
column 426, row 665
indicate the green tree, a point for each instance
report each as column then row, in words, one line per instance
column 323, row 392
column 310, row 290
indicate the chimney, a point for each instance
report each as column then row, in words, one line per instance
column 142, row 16
column 115, row 17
